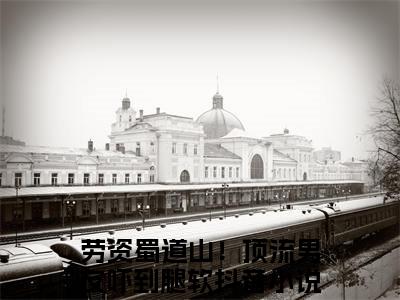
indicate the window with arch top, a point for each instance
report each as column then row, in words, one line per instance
column 257, row 167
column 185, row 177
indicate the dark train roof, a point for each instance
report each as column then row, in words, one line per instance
column 26, row 261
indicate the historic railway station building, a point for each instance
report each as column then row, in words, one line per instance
column 172, row 163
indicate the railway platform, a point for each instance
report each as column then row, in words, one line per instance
column 79, row 229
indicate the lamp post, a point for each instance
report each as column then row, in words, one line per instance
column 210, row 193
column 142, row 209
column 276, row 198
column 17, row 187
column 283, row 196
column 348, row 193
column 225, row 186
column 70, row 205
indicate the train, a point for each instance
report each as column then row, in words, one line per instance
column 87, row 267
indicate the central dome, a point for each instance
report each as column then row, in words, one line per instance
column 218, row 122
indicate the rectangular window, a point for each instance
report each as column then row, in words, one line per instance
column 126, row 178
column 36, row 178
column 215, row 172
column 114, row 178
column 237, row 172
column 138, row 149
column 71, row 177
column 222, row 172
column 114, row 206
column 1, row 177
column 195, row 150
column 173, row 148
column 206, row 172
column 152, row 178
column 230, row 195
column 101, row 178
column 18, row 179
column 128, row 204
column 139, row 178
column 54, row 177
column 185, row 148
column 86, row 208
column 86, row 178
column 230, row 172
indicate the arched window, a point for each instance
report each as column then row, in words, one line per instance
column 257, row 167
column 185, row 177
column 305, row 176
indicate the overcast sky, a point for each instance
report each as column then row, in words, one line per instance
column 313, row 67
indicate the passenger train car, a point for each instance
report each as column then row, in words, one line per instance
column 233, row 251
column 33, row 271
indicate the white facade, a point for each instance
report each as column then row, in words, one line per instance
column 296, row 147
column 38, row 166
column 173, row 144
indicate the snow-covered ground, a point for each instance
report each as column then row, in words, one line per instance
column 392, row 294
column 378, row 277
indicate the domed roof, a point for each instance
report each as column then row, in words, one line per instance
column 218, row 122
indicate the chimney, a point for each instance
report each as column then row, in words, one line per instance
column 90, row 146
column 141, row 115
column 107, row 146
column 158, row 110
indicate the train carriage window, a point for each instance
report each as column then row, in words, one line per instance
column 243, row 254
column 347, row 224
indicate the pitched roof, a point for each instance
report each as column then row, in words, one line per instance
column 238, row 133
column 277, row 155
column 214, row 150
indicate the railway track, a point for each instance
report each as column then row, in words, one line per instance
column 77, row 231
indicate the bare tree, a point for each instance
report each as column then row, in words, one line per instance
column 385, row 131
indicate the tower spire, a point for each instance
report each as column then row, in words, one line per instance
column 217, row 84
column 3, row 128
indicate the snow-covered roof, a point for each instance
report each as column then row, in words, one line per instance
column 277, row 155
column 216, row 230
column 217, row 151
column 28, row 260
column 62, row 151
column 238, row 133
column 139, row 188
column 349, row 206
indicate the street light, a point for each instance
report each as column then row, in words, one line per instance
column 349, row 192
column 142, row 209
column 70, row 205
column 225, row 186
column 17, row 187
column 210, row 193
column 283, row 196
column 276, row 198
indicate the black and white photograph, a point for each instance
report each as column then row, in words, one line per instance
column 200, row 149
